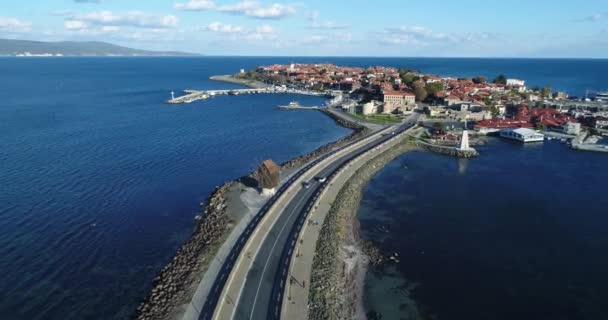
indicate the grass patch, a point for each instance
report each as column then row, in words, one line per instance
column 378, row 118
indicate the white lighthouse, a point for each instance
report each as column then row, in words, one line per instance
column 464, row 141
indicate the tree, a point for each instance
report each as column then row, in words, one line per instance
column 495, row 112
column 501, row 79
column 546, row 91
column 409, row 78
column 433, row 88
column 420, row 91
column 488, row 101
column 480, row 79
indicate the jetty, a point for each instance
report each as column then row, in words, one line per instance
column 193, row 95
column 296, row 106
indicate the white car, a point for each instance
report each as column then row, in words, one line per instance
column 321, row 179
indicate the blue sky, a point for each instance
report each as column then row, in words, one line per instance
column 464, row 28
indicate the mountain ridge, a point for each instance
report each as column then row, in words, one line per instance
column 11, row 47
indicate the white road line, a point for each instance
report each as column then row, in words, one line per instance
column 269, row 256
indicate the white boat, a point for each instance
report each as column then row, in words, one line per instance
column 291, row 105
column 522, row 135
column 601, row 96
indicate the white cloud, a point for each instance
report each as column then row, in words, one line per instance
column 255, row 9
column 417, row 36
column 236, row 32
column 327, row 25
column 195, row 5
column 316, row 23
column 223, row 28
column 75, row 25
column 134, row 19
column 264, row 29
column 9, row 24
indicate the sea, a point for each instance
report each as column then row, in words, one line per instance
column 100, row 182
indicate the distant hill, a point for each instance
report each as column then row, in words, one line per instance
column 10, row 47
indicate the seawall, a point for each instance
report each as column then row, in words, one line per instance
column 335, row 292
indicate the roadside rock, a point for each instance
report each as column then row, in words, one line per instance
column 333, row 295
column 171, row 284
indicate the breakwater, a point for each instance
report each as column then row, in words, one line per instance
column 334, row 291
column 172, row 286
column 448, row 151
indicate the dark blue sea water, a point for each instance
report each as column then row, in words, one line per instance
column 518, row 233
column 99, row 180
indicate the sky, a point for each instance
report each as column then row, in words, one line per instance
column 439, row 28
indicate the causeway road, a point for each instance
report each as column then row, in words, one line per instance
column 261, row 294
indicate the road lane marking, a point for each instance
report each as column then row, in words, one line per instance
column 270, row 255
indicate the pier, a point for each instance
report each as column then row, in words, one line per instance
column 300, row 108
column 193, row 95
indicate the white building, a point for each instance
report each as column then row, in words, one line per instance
column 522, row 135
column 573, row 128
column 369, row 108
column 516, row 82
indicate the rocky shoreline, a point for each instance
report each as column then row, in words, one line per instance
column 336, row 290
column 358, row 132
column 171, row 286
column 175, row 284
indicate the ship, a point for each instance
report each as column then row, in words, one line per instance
column 601, row 96
column 291, row 105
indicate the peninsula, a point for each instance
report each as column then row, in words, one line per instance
column 272, row 250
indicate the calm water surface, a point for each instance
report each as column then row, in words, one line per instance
column 99, row 180
column 518, row 233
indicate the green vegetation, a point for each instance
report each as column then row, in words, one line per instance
column 438, row 126
column 433, row 88
column 480, row 79
column 546, row 92
column 379, row 118
column 501, row 79
column 420, row 91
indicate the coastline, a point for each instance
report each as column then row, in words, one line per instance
column 173, row 287
column 341, row 259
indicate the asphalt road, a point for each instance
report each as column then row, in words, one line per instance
column 264, row 278
column 262, row 294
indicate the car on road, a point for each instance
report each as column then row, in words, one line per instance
column 306, row 184
column 321, row 179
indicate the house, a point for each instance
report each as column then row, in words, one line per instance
column 438, row 112
column 516, row 83
column 573, row 128
column 601, row 123
column 397, row 99
column 450, row 100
